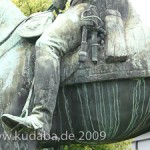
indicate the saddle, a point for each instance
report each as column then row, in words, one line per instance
column 103, row 44
column 36, row 24
column 121, row 55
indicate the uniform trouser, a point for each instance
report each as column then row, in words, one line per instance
column 61, row 37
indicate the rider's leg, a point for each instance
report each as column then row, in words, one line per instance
column 62, row 36
column 47, row 78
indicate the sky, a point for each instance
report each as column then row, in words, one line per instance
column 142, row 7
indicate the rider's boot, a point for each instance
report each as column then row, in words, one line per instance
column 46, row 85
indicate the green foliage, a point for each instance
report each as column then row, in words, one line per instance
column 31, row 6
column 125, row 145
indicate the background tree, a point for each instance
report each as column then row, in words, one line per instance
column 125, row 145
column 29, row 7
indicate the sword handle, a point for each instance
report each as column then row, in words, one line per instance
column 83, row 51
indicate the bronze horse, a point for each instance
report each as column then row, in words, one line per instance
column 97, row 103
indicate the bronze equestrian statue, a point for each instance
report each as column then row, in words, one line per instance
column 94, row 59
